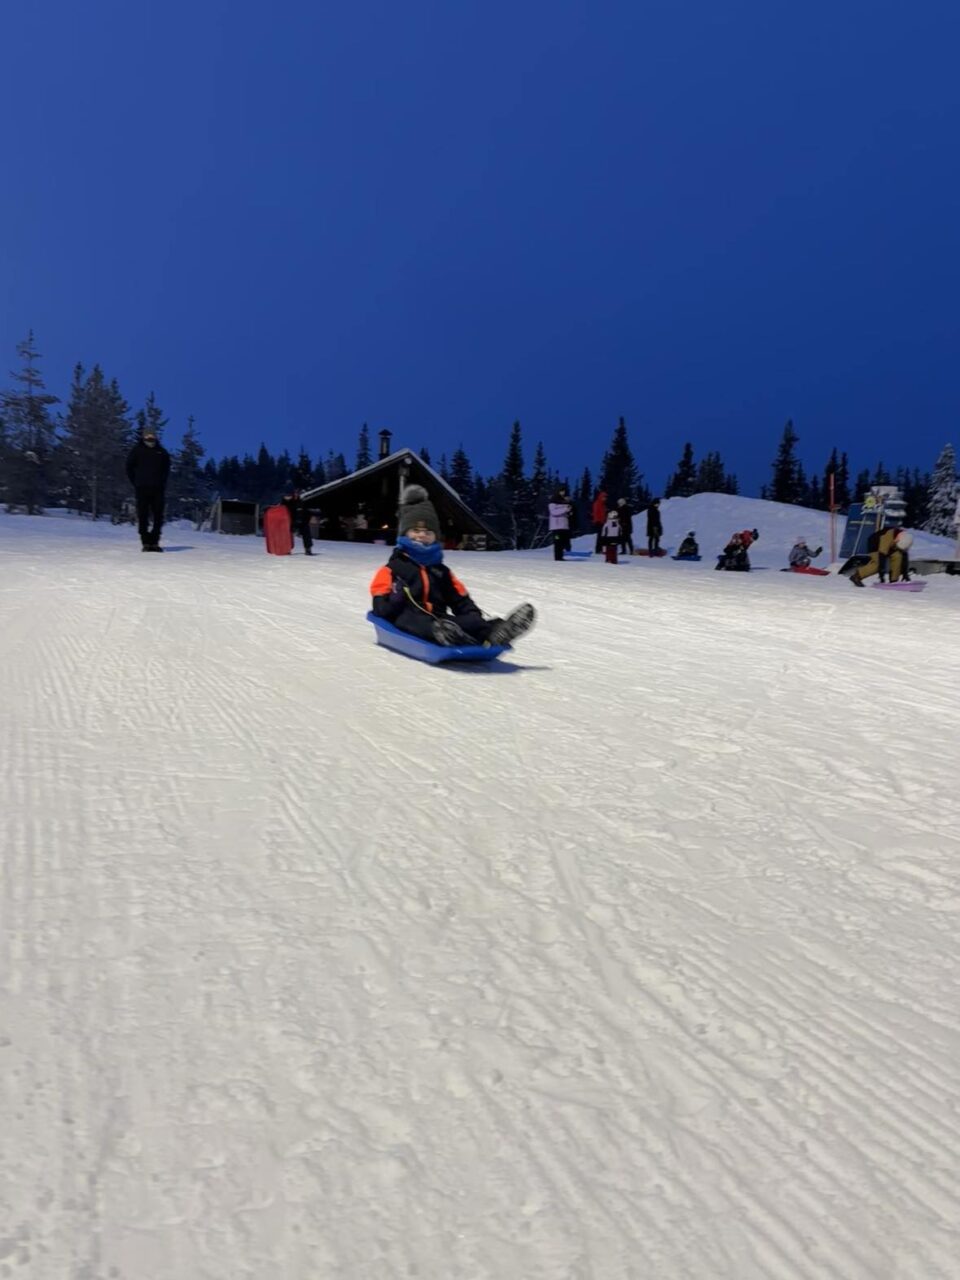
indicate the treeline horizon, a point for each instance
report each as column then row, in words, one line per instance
column 76, row 458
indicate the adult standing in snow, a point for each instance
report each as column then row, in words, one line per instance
column 625, row 516
column 299, row 519
column 559, row 510
column 598, row 516
column 654, row 528
column 148, row 468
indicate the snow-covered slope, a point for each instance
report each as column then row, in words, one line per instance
column 715, row 516
column 635, row 956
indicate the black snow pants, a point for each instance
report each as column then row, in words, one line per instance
column 150, row 515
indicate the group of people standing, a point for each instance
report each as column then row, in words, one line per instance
column 612, row 524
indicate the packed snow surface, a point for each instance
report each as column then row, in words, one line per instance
column 635, row 955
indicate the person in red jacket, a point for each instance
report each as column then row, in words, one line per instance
column 598, row 515
column 418, row 593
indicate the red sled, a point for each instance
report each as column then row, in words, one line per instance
column 277, row 533
column 811, row 569
column 656, row 554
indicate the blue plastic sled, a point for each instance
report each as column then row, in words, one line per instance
column 392, row 637
column 686, row 557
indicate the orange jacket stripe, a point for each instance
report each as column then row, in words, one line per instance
column 461, row 590
column 382, row 582
column 426, row 590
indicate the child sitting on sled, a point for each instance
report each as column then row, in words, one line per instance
column 688, row 547
column 801, row 555
column 734, row 554
column 419, row 594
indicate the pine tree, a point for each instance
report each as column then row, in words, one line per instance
column 618, row 471
column 508, row 494
column 842, row 484
column 98, row 436
column 539, row 479
column 813, row 495
column 303, row 471
column 512, row 472
column 150, row 418
column 786, row 482
column 364, row 458
column 190, row 494
column 881, row 476
column 915, row 489
column 861, row 486
column 583, row 500
column 30, row 433
column 461, row 475
column 943, row 491
column 425, row 455
column 265, row 480
column 802, row 486
column 712, row 476
column 335, row 466
column 443, row 468
column 683, row 482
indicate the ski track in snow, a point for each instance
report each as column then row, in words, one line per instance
column 636, row 957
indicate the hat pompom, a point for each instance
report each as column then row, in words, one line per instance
column 414, row 493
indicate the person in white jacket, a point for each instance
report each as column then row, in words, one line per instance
column 611, row 530
column 559, row 510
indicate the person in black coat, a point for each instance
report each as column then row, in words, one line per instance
column 625, row 516
column 148, row 468
column 299, row 519
column 654, row 528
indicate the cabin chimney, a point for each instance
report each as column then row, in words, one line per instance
column 385, row 443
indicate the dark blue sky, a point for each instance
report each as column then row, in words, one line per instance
column 290, row 218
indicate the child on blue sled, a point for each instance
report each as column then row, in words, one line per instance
column 419, row 594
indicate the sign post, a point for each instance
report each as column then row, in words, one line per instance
column 833, row 519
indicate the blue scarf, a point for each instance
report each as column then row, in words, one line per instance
column 420, row 553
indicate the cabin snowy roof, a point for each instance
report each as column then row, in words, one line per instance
column 444, row 497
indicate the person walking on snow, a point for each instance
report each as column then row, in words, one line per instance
column 801, row 555
column 598, row 516
column 654, row 528
column 418, row 593
column 559, row 509
column 148, row 468
column 625, row 516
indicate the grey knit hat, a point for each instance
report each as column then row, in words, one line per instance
column 416, row 508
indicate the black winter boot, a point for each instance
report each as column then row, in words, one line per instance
column 515, row 624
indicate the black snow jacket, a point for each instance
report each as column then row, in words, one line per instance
column 148, row 466
column 432, row 588
column 626, row 521
column 654, row 523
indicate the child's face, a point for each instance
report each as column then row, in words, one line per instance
column 420, row 533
